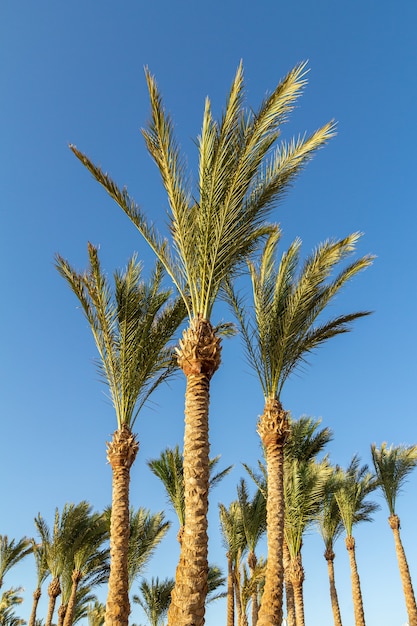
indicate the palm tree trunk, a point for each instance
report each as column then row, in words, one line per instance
column 199, row 358
column 410, row 600
column 252, row 561
column 273, row 429
column 329, row 556
column 36, row 597
column 121, row 453
column 297, row 579
column 54, row 590
column 237, row 587
column 61, row 614
column 289, row 591
column 69, row 615
column 230, row 593
column 356, row 585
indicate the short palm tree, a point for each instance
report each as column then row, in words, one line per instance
column 353, row 488
column 11, row 553
column 234, row 541
column 9, row 599
column 155, row 598
column 392, row 466
column 280, row 331
column 213, row 228
column 330, row 527
column 169, row 468
column 131, row 329
column 42, row 573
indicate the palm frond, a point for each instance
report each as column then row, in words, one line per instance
column 392, row 466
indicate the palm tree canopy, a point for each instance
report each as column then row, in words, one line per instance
column 305, row 440
column 240, row 178
column 11, row 552
column 231, row 525
column 253, row 514
column 155, row 598
column 392, row 466
column 169, row 468
column 8, row 601
column 353, row 488
column 131, row 329
column 146, row 532
column 328, row 519
column 287, row 302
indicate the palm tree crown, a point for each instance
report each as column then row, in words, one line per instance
column 392, row 466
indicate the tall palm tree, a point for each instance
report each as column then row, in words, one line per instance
column 131, row 329
column 353, row 488
column 11, row 553
column 253, row 513
column 234, row 541
column 169, row 468
column 392, row 466
column 213, row 228
column 279, row 335
column 42, row 573
column 331, row 528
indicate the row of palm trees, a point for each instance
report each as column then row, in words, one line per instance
column 74, row 552
column 217, row 228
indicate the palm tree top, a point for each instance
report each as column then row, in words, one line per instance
column 214, row 227
column 284, row 325
column 353, row 488
column 392, row 466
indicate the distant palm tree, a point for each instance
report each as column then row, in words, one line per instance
column 131, row 329
column 146, row 532
column 42, row 573
column 11, row 553
column 8, row 601
column 280, row 330
column 155, row 598
column 169, row 468
column 213, row 228
column 331, row 528
column 234, row 541
column 96, row 612
column 353, row 488
column 392, row 466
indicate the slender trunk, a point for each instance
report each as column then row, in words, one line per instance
column 237, row 587
column 230, row 593
column 69, row 615
column 297, row 579
column 273, row 429
column 54, row 590
column 289, row 591
column 356, row 585
column 199, row 358
column 410, row 600
column 329, row 556
column 121, row 453
column 36, row 597
column 252, row 561
column 61, row 614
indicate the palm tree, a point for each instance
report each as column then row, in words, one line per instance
column 42, row 573
column 131, row 330
column 8, row 601
column 354, row 486
column 392, row 466
column 234, row 541
column 331, row 527
column 11, row 553
column 155, row 598
column 213, row 229
column 278, row 336
column 146, row 532
column 96, row 612
column 169, row 468
column 253, row 513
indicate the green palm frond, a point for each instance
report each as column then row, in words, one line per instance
column 392, row 466
column 253, row 513
column 155, row 598
column 287, row 303
column 131, row 329
column 353, row 488
column 11, row 552
column 215, row 580
column 306, row 441
column 232, row 530
column 240, row 178
column 146, row 532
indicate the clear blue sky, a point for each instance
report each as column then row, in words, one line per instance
column 73, row 72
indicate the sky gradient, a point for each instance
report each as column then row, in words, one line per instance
column 73, row 73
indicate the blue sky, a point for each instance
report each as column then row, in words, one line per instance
column 73, row 73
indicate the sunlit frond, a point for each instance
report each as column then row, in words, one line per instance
column 392, row 466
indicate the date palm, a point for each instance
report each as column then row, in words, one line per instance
column 155, row 598
column 353, row 488
column 9, row 599
column 392, row 466
column 131, row 329
column 42, row 573
column 146, row 532
column 96, row 612
column 234, row 541
column 11, row 553
column 280, row 331
column 213, row 227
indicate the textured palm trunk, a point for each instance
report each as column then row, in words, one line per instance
column 410, row 600
column 61, row 614
column 252, row 561
column 230, row 592
column 199, row 358
column 69, row 615
column 289, row 591
column 237, row 587
column 297, row 580
column 121, row 453
column 54, row 590
column 356, row 585
column 329, row 556
column 36, row 597
column 273, row 429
